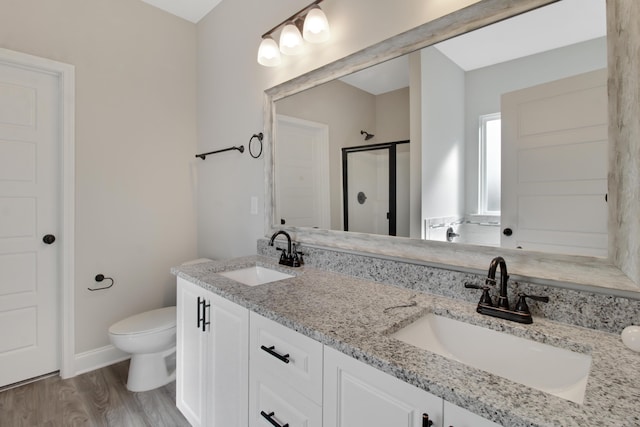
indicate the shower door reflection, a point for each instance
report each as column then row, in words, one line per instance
column 376, row 188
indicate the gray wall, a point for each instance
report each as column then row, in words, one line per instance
column 484, row 87
column 135, row 70
column 230, row 95
column 346, row 110
column 443, row 97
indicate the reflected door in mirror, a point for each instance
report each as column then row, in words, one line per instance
column 556, row 134
column 302, row 191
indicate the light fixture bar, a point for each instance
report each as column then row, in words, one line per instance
column 293, row 17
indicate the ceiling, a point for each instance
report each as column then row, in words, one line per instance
column 559, row 24
column 191, row 10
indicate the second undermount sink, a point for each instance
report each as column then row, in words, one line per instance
column 554, row 370
column 255, row 275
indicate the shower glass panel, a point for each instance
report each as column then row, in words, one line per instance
column 370, row 187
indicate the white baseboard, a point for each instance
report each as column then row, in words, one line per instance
column 98, row 358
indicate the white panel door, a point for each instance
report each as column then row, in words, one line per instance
column 29, row 198
column 302, row 173
column 554, row 166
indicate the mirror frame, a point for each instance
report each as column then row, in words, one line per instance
column 618, row 274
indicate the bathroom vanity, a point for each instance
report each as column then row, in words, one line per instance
column 319, row 349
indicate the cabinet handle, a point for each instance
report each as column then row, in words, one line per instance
column 200, row 319
column 426, row 422
column 271, row 351
column 202, row 314
column 269, row 417
column 205, row 322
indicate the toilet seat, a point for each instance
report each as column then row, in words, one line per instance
column 148, row 322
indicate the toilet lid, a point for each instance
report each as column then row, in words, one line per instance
column 149, row 321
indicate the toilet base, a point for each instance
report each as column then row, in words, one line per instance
column 149, row 371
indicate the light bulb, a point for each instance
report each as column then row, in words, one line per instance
column 316, row 26
column 291, row 40
column 268, row 52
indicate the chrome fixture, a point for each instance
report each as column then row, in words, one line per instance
column 452, row 235
column 367, row 135
column 290, row 256
column 520, row 313
column 313, row 23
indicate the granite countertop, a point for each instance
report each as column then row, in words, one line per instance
column 356, row 316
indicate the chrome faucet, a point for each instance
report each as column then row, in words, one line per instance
column 521, row 311
column 290, row 257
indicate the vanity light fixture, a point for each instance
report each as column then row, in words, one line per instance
column 291, row 40
column 313, row 23
column 316, row 26
column 268, row 52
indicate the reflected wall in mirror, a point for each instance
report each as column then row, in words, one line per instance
column 618, row 274
column 539, row 86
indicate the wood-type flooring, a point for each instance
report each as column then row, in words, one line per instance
column 96, row 399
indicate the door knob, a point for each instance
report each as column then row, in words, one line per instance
column 507, row 232
column 49, row 239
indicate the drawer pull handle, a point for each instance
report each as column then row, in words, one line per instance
column 269, row 417
column 271, row 351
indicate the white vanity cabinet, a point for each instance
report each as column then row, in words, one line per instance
column 456, row 416
column 238, row 369
column 358, row 395
column 285, row 383
column 211, row 359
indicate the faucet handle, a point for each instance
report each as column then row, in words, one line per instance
column 283, row 255
column 521, row 305
column 485, row 299
column 297, row 256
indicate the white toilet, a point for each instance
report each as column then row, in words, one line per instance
column 150, row 337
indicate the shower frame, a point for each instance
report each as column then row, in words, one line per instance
column 392, row 213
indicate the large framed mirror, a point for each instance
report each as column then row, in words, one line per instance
column 611, row 267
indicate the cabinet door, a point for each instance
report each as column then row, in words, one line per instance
column 228, row 363
column 272, row 400
column 456, row 416
column 190, row 354
column 358, row 395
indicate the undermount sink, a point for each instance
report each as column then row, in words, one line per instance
column 255, row 275
column 554, row 370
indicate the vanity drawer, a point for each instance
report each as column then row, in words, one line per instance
column 292, row 358
column 271, row 399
